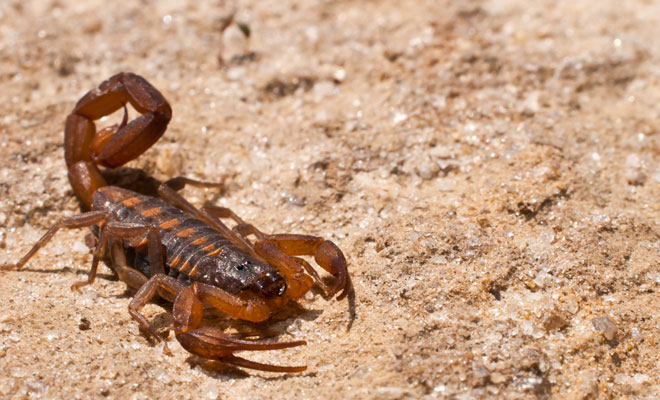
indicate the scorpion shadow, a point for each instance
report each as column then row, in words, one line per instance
column 132, row 179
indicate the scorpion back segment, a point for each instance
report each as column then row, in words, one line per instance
column 194, row 259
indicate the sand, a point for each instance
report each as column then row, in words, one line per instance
column 489, row 168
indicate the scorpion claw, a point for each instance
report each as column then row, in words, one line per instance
column 275, row 249
column 242, row 362
column 212, row 339
column 330, row 257
column 213, row 344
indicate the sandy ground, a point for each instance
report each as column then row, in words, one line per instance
column 490, row 169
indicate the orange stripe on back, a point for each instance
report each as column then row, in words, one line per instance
column 184, row 267
column 186, row 232
column 131, row 202
column 215, row 252
column 151, row 212
column 199, row 241
column 169, row 224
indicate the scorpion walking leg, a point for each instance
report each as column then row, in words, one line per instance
column 147, row 287
column 275, row 248
column 156, row 283
column 166, row 288
column 127, row 230
column 134, row 278
column 77, row 221
column 180, row 182
column 99, row 251
column 130, row 276
column 213, row 343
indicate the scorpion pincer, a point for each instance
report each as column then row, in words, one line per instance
column 193, row 258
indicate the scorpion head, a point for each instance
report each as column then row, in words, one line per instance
column 239, row 272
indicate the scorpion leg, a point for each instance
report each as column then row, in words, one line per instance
column 99, row 251
column 127, row 230
column 167, row 287
column 275, row 248
column 77, row 221
column 213, row 343
column 180, row 182
column 130, row 276
column 157, row 283
column 134, row 278
column 122, row 230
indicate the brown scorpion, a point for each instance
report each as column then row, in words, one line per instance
column 192, row 258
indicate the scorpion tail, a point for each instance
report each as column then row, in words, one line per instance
column 85, row 148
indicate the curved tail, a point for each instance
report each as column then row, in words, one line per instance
column 85, row 148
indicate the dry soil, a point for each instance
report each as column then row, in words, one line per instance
column 490, row 169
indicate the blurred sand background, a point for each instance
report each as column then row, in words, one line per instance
column 490, row 169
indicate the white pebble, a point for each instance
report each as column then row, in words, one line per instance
column 605, row 325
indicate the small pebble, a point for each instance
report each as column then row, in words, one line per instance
column 84, row 324
column 605, row 325
column 398, row 117
column 339, row 75
column 497, row 378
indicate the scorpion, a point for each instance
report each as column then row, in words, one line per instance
column 191, row 258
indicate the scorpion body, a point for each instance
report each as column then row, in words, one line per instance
column 183, row 254
column 194, row 251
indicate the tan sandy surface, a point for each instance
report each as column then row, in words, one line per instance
column 490, row 169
